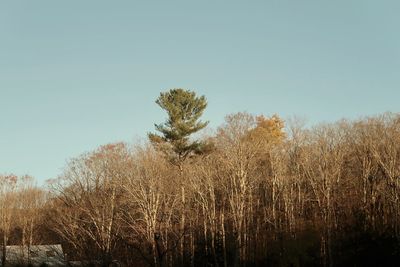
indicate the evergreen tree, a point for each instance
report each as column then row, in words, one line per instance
column 184, row 110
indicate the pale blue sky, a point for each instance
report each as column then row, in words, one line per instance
column 77, row 74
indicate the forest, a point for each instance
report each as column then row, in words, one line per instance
column 256, row 191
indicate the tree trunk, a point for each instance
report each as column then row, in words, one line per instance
column 223, row 239
column 182, row 241
column 3, row 258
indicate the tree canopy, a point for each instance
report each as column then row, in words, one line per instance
column 184, row 109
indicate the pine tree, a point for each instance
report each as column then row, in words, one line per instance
column 184, row 110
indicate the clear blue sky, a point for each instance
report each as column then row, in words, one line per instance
column 78, row 74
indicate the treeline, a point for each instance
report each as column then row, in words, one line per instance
column 262, row 193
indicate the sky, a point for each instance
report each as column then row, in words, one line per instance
column 77, row 74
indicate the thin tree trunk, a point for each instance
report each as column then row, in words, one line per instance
column 182, row 241
column 223, row 239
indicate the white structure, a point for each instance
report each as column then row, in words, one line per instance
column 48, row 255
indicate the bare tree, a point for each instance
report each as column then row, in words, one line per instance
column 8, row 184
column 90, row 194
column 30, row 201
column 150, row 204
